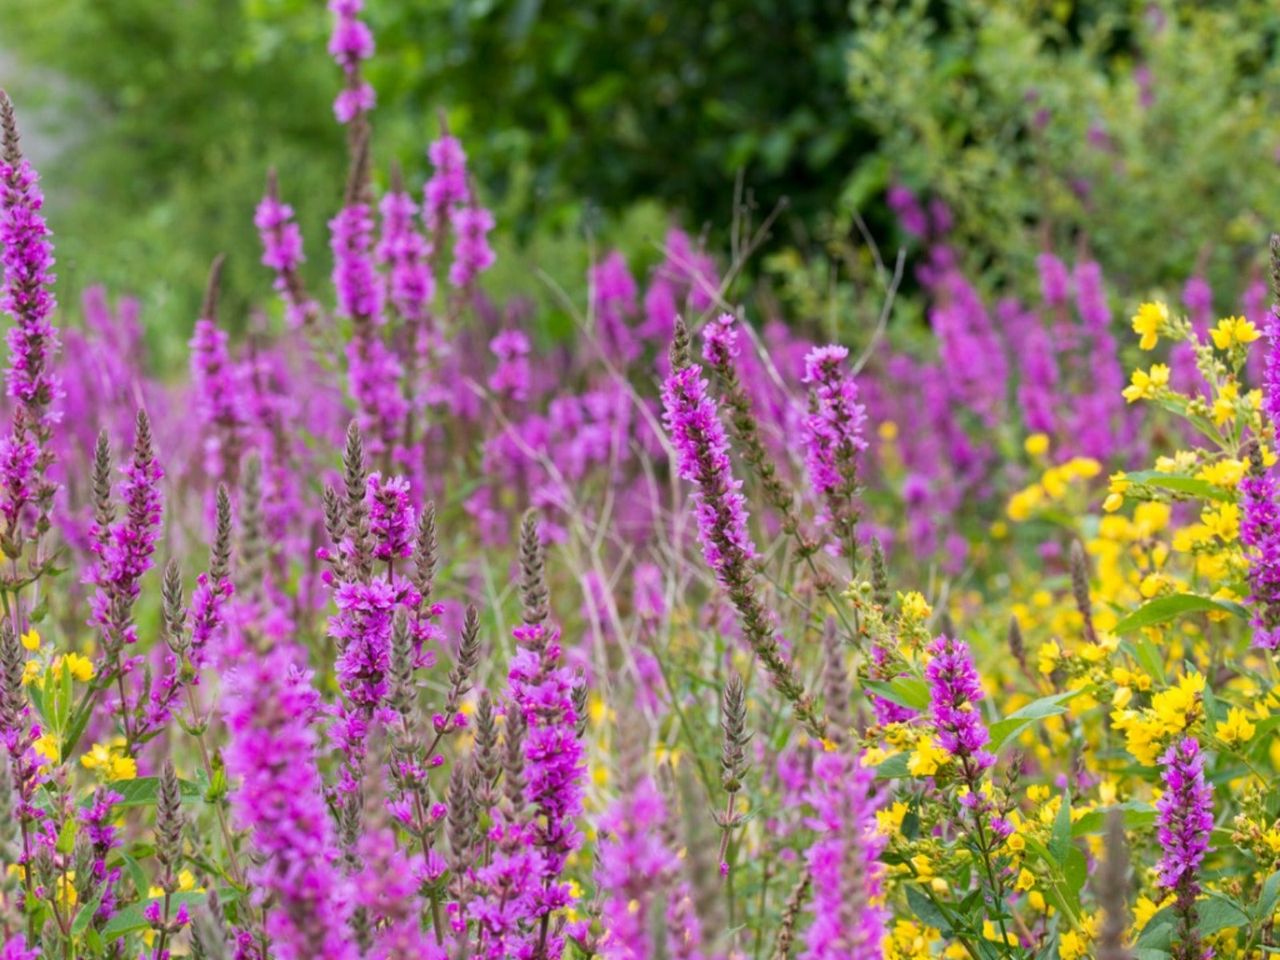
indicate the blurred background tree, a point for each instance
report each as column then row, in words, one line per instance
column 1141, row 131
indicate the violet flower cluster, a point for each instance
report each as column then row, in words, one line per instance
column 1185, row 817
column 954, row 695
column 638, row 873
column 848, row 916
column 271, row 711
column 26, row 295
column 833, row 441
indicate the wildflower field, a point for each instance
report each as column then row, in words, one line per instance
column 395, row 627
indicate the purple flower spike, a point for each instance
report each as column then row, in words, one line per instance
column 1185, row 816
column 833, row 440
column 847, row 922
column 954, row 695
column 271, row 710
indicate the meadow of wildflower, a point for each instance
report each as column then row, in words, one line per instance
column 391, row 630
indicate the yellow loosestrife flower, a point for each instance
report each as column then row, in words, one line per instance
column 1144, row 385
column 1148, row 322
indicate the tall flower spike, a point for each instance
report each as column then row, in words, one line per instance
column 733, row 757
column 1184, row 814
column 848, row 917
column 533, row 575
column 1260, row 532
column 833, row 441
column 216, row 383
column 720, row 350
column 636, row 872
column 702, row 457
column 542, row 691
column 282, row 253
column 1080, row 589
column 271, row 711
column 350, row 44
column 124, row 549
column 26, row 294
column 954, row 695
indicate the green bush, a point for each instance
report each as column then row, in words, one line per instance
column 1028, row 119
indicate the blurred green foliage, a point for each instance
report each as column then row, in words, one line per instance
column 1142, row 132
column 586, row 120
column 573, row 113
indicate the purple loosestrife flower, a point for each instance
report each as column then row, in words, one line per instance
column 833, row 440
column 973, row 358
column 1185, row 817
column 848, row 922
column 100, row 828
column 1037, row 386
column 447, row 187
column 26, row 257
column 219, row 399
column 507, row 893
column 911, row 216
column 387, row 890
column 637, row 871
column 282, row 253
column 472, row 254
column 350, row 44
column 373, row 371
column 362, row 631
column 1055, row 281
column 511, row 376
column 15, row 948
column 542, row 690
column 124, row 549
column 954, row 695
column 355, row 281
column 405, row 253
column 271, row 712
column 613, row 298
column 391, row 517
column 702, row 457
column 1271, row 373
column 1260, row 532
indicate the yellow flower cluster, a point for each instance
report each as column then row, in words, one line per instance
column 1054, row 485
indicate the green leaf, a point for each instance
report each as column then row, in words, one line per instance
column 1266, row 905
column 894, row 768
column 1075, row 870
column 1060, row 839
column 1167, row 608
column 1179, row 483
column 925, row 909
column 85, row 914
column 131, row 919
column 143, row 791
column 1137, row 816
column 904, row 691
column 1219, row 912
column 67, row 836
column 1019, row 720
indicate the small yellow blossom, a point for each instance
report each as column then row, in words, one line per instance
column 110, row 762
column 914, row 606
column 81, row 668
column 1224, row 404
column 1144, row 385
column 889, row 822
column 1148, row 322
column 1236, row 729
column 31, row 639
column 926, row 759
column 1036, row 445
column 1233, row 330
